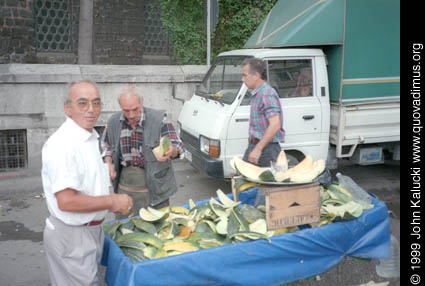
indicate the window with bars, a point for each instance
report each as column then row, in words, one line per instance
column 13, row 150
column 155, row 36
column 53, row 25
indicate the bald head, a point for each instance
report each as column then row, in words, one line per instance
column 83, row 104
column 75, row 85
column 131, row 104
column 128, row 92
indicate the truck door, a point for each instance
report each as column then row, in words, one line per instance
column 302, row 113
column 293, row 79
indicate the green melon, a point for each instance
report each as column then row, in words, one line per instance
column 164, row 145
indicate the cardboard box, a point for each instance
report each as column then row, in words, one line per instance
column 292, row 205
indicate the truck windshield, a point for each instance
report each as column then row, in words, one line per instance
column 223, row 80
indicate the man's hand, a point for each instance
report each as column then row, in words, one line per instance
column 171, row 153
column 112, row 172
column 121, row 203
column 254, row 156
column 274, row 126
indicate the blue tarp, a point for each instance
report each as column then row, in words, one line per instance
column 289, row 257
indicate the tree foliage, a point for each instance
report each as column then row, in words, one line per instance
column 184, row 21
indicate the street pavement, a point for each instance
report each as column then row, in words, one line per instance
column 22, row 215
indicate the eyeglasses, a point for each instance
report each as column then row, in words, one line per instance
column 84, row 105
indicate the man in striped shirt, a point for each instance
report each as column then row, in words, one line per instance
column 266, row 116
column 127, row 143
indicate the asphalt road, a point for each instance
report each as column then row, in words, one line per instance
column 22, row 216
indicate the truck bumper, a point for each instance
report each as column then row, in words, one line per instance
column 212, row 167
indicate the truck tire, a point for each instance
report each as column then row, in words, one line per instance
column 294, row 158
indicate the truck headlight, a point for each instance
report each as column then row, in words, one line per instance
column 210, row 146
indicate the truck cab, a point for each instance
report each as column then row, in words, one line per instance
column 214, row 122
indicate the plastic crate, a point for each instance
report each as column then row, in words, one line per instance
column 368, row 156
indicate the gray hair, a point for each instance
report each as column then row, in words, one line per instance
column 256, row 65
column 67, row 95
column 128, row 91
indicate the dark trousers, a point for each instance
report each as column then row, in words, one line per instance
column 269, row 153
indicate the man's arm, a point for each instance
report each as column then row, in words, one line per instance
column 72, row 201
column 271, row 131
column 107, row 153
column 108, row 160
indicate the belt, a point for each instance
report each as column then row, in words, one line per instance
column 94, row 222
column 253, row 140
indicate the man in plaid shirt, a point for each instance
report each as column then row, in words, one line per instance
column 127, row 143
column 266, row 116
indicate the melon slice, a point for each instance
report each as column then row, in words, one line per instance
column 302, row 166
column 246, row 169
column 309, row 175
column 164, row 145
column 281, row 162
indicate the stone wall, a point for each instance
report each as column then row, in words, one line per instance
column 118, row 28
column 32, row 99
column 17, row 33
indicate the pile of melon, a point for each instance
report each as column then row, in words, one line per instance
column 304, row 172
column 176, row 230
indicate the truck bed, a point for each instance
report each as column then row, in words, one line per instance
column 364, row 123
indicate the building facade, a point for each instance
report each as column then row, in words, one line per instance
column 126, row 32
column 38, row 59
column 31, row 107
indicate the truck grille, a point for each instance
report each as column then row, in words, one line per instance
column 189, row 139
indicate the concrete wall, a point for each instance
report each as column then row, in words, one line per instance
column 31, row 98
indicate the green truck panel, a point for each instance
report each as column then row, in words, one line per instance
column 372, row 39
column 361, row 39
column 300, row 23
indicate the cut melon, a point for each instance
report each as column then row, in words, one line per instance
column 152, row 215
column 246, row 169
column 164, row 145
column 281, row 176
column 181, row 246
column 267, row 176
column 225, row 200
column 308, row 175
column 302, row 166
column 281, row 162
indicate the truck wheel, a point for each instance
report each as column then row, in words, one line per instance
column 294, row 158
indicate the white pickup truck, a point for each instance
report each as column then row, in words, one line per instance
column 336, row 103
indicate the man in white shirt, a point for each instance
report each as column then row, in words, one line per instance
column 76, row 184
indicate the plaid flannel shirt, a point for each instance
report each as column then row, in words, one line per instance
column 265, row 103
column 131, row 141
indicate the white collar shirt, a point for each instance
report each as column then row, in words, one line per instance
column 71, row 159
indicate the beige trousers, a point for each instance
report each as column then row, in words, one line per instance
column 73, row 253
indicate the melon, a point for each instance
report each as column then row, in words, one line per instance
column 302, row 166
column 280, row 176
column 281, row 162
column 308, row 175
column 246, row 169
column 164, row 145
column 267, row 176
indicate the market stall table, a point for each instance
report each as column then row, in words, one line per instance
column 288, row 257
